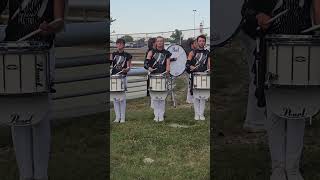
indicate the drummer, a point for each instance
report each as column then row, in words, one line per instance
column 151, row 45
column 198, row 61
column 159, row 62
column 32, row 143
column 121, row 64
column 285, row 136
column 192, row 45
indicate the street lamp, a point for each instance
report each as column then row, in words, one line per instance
column 194, row 23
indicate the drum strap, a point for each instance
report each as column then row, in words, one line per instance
column 260, row 66
column 191, row 84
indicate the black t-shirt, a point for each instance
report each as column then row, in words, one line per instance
column 200, row 59
column 159, row 60
column 120, row 61
column 25, row 16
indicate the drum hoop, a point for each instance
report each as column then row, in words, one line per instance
column 117, row 76
column 25, row 46
column 292, row 39
column 158, row 75
column 45, row 92
column 228, row 39
column 200, row 73
column 293, row 86
column 184, row 51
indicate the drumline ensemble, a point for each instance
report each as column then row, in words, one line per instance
column 161, row 79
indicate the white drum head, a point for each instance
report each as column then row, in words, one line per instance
column 24, row 111
column 177, row 67
column 225, row 26
column 293, row 103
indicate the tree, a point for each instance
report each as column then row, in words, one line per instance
column 176, row 36
column 127, row 38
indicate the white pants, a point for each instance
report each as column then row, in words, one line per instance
column 285, row 141
column 189, row 96
column 32, row 147
column 159, row 107
column 120, row 105
column 255, row 116
column 199, row 106
column 120, row 109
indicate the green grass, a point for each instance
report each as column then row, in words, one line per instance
column 178, row 153
column 240, row 155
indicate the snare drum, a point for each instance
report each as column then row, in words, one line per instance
column 158, row 82
column 24, row 68
column 292, row 60
column 117, row 83
column 201, row 80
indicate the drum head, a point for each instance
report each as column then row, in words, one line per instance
column 177, row 67
column 225, row 25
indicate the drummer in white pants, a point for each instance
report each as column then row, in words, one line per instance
column 286, row 141
column 32, row 143
column 198, row 61
column 159, row 62
column 121, row 64
column 151, row 45
column 193, row 46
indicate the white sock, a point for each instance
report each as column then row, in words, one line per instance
column 202, row 106
column 116, row 106
column 196, row 105
column 41, row 148
column 123, row 109
column 162, row 108
column 32, row 147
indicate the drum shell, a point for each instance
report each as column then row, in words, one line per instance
column 117, row 83
column 201, row 80
column 24, row 70
column 292, row 60
column 158, row 83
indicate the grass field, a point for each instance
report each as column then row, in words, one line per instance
column 239, row 155
column 78, row 150
column 178, row 153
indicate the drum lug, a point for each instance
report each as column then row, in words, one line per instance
column 271, row 77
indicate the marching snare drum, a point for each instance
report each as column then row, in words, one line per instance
column 117, row 83
column 292, row 60
column 24, row 68
column 158, row 82
column 201, row 80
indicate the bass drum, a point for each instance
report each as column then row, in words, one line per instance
column 225, row 26
column 178, row 66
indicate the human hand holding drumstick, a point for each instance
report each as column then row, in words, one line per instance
column 45, row 28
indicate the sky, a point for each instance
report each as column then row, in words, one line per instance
column 136, row 16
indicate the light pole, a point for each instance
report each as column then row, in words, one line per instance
column 194, row 23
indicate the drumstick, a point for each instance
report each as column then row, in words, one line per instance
column 274, row 18
column 119, row 72
column 311, row 29
column 38, row 30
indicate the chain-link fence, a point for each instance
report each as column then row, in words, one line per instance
column 178, row 36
